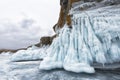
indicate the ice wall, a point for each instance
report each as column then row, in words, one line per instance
column 93, row 38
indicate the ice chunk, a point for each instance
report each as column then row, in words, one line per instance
column 79, row 67
column 6, row 53
column 32, row 53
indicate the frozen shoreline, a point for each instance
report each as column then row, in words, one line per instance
column 28, row 70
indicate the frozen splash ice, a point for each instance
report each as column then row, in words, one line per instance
column 92, row 39
column 32, row 53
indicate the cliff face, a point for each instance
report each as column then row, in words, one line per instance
column 64, row 17
column 66, row 5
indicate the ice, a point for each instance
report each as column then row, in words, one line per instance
column 32, row 53
column 28, row 70
column 79, row 67
column 6, row 53
column 82, row 5
column 93, row 38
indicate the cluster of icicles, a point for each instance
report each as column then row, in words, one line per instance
column 87, row 42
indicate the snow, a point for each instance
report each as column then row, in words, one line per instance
column 32, row 53
column 28, row 70
column 92, row 39
column 6, row 53
column 17, row 70
column 79, row 67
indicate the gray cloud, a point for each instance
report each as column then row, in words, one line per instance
column 21, row 34
column 23, row 22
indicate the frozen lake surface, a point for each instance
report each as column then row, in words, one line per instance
column 29, row 70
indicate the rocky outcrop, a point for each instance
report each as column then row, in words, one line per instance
column 46, row 40
column 10, row 50
column 66, row 5
column 64, row 16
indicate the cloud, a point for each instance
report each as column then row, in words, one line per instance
column 23, row 22
column 46, row 11
column 21, row 34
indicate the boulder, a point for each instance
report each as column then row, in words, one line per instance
column 46, row 40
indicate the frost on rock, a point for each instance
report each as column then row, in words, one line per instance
column 32, row 53
column 93, row 38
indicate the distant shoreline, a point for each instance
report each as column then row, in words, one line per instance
column 11, row 50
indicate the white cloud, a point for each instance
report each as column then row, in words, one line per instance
column 22, row 34
column 23, row 22
column 46, row 11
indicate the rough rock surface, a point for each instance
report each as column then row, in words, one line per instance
column 46, row 40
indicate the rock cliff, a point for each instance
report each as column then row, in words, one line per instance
column 66, row 5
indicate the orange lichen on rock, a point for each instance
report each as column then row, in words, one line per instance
column 68, row 20
column 63, row 16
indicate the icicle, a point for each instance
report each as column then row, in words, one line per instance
column 88, row 41
column 71, row 56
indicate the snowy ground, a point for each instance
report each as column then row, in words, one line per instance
column 28, row 70
column 18, row 70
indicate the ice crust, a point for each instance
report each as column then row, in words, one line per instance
column 94, row 38
column 32, row 53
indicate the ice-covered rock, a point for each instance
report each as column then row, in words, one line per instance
column 93, row 38
column 32, row 53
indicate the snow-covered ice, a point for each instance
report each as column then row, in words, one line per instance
column 32, row 53
column 17, row 70
column 29, row 70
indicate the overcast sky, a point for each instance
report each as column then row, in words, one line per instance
column 23, row 22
